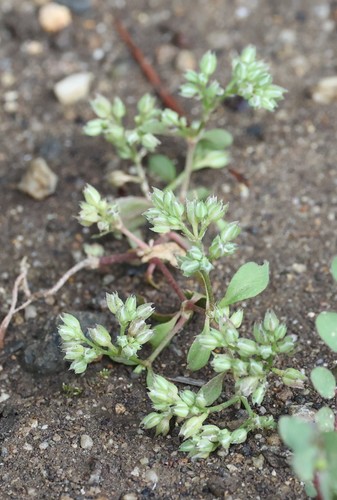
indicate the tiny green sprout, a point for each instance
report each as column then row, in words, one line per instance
column 314, row 445
column 71, row 391
column 105, row 373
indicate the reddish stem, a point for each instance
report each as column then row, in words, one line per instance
column 169, row 277
column 148, row 70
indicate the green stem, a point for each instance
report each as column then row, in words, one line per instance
column 142, row 177
column 179, row 325
column 223, row 406
column 191, row 145
column 208, row 288
column 247, row 406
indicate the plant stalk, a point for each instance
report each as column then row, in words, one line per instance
column 179, row 325
column 191, row 145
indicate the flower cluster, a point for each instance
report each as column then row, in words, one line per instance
column 252, row 81
column 193, row 220
column 82, row 349
column 247, row 359
column 198, row 85
column 98, row 210
column 169, row 402
column 110, row 124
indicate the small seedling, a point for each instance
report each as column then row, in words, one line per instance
column 315, row 444
column 205, row 148
column 71, row 391
column 249, row 361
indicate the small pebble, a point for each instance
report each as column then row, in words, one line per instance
column 258, row 462
column 73, row 88
column 39, row 181
column 120, row 409
column 151, row 476
column 30, row 312
column 299, row 268
column 144, row 461
column 325, row 91
column 54, row 17
column 185, row 60
column 165, row 54
column 135, row 472
column 86, row 442
column 44, row 445
column 129, row 496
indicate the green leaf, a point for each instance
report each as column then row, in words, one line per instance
column 296, row 433
column 218, row 138
column 198, row 356
column 162, row 330
column 304, row 463
column 326, row 324
column 330, row 445
column 163, row 167
column 212, row 159
column 212, row 390
column 325, row 419
column 131, row 209
column 323, row 381
column 334, row 268
column 310, row 490
column 250, row 280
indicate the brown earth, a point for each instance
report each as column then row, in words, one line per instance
column 288, row 217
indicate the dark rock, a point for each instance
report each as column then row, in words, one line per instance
column 77, row 6
column 22, row 26
column 50, row 148
column 274, row 460
column 218, row 486
column 45, row 356
column 256, row 130
column 7, row 420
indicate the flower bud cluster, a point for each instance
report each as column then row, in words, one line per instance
column 272, row 337
column 198, row 85
column 169, row 402
column 98, row 210
column 77, row 347
column 209, row 438
column 167, row 212
column 252, row 81
column 109, row 123
column 194, row 260
column 222, row 244
column 134, row 331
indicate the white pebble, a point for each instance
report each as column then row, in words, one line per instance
column 54, row 17
column 299, row 268
column 73, row 88
column 30, row 312
column 135, row 472
column 39, row 181
column 325, row 91
column 186, row 60
column 151, row 476
column 86, row 442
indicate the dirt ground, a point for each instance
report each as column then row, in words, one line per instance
column 288, row 216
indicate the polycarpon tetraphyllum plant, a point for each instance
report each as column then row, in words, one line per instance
column 250, row 361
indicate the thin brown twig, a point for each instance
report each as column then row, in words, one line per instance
column 21, row 282
column 15, row 292
column 148, row 70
